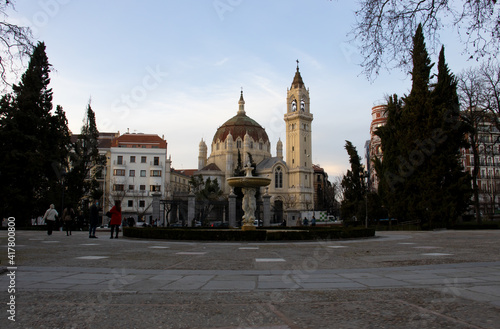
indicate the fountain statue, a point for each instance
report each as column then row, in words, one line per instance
column 249, row 185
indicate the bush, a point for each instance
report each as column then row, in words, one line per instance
column 303, row 233
column 476, row 226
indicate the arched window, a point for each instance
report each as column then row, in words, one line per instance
column 278, row 178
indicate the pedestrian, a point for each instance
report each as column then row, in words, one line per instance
column 68, row 217
column 50, row 218
column 313, row 221
column 116, row 218
column 306, row 221
column 93, row 219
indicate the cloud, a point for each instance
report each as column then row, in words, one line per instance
column 221, row 62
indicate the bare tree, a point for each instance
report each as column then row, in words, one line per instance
column 490, row 76
column 479, row 91
column 470, row 89
column 15, row 42
column 384, row 29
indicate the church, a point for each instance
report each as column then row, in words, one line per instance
column 292, row 187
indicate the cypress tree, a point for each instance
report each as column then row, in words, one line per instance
column 86, row 162
column 421, row 176
column 390, row 176
column 354, row 186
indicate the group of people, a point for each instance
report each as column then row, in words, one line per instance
column 68, row 216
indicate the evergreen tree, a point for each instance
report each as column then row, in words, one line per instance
column 354, row 186
column 33, row 143
column 86, row 162
column 421, row 177
column 390, row 176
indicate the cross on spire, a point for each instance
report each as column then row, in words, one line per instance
column 297, row 64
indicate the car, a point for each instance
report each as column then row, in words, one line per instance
column 258, row 222
column 219, row 225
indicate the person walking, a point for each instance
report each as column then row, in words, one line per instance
column 313, row 221
column 93, row 219
column 116, row 218
column 68, row 217
column 50, row 218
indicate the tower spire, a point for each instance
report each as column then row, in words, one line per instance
column 241, row 103
column 297, row 80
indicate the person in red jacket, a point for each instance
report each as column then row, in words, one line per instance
column 116, row 218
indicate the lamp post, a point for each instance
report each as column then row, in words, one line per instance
column 366, row 176
column 63, row 175
column 104, row 196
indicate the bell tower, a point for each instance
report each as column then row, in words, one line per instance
column 298, row 119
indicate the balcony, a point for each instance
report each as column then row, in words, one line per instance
column 156, row 163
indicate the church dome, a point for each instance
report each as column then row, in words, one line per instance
column 240, row 125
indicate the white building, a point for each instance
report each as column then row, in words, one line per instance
column 137, row 167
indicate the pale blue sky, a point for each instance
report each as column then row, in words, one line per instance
column 176, row 68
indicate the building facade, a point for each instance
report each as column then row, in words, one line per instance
column 488, row 178
column 137, row 168
column 374, row 146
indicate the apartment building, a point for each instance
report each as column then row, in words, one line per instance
column 138, row 167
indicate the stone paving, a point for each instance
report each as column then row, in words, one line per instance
column 442, row 279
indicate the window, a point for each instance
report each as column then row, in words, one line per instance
column 131, row 173
column 251, row 145
column 119, row 172
column 119, row 160
column 143, row 159
column 132, row 159
column 155, row 188
column 142, row 203
column 155, row 173
column 118, row 187
column 143, row 173
column 130, row 203
column 238, row 144
column 156, row 161
column 142, row 187
column 131, row 187
column 278, row 178
column 260, row 146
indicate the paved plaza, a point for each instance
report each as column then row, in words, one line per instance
column 439, row 279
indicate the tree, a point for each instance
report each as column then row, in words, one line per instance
column 354, row 186
column 86, row 162
column 384, row 29
column 206, row 193
column 15, row 42
column 421, row 175
column 490, row 76
column 473, row 111
column 34, row 143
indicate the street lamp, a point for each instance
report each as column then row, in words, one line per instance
column 366, row 176
column 104, row 195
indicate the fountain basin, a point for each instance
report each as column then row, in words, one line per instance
column 248, row 182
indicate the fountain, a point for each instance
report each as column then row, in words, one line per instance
column 249, row 185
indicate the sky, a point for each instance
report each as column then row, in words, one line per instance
column 176, row 68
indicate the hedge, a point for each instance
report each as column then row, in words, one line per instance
column 239, row 235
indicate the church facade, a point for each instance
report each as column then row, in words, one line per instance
column 291, row 187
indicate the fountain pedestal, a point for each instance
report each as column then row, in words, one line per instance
column 249, row 185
